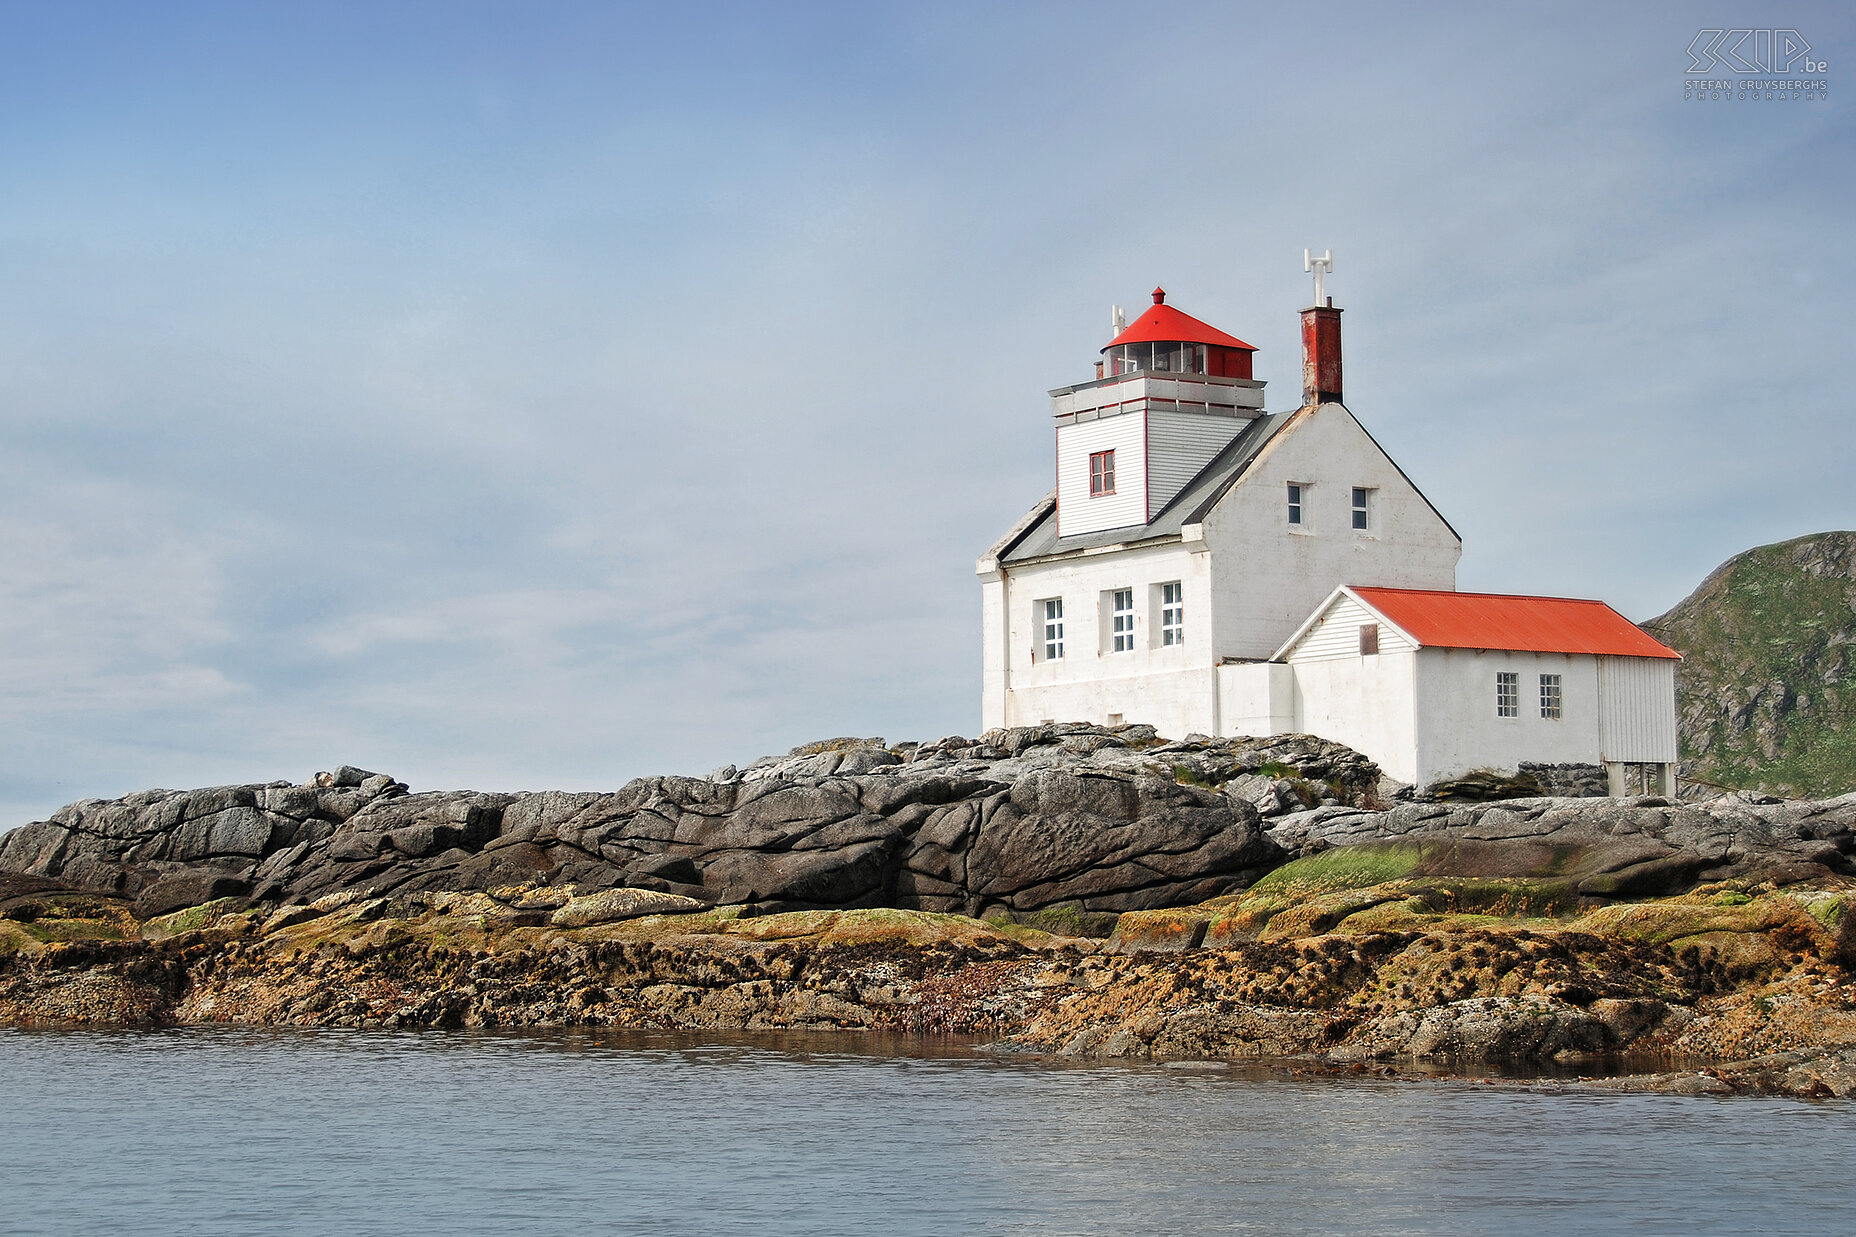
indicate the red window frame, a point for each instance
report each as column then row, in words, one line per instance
column 1101, row 473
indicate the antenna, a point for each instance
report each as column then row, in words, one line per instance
column 1117, row 321
column 1323, row 265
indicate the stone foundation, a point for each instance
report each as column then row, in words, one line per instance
column 1570, row 781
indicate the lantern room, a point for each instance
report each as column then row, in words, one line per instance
column 1164, row 340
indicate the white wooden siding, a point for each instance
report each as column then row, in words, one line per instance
column 1637, row 708
column 1179, row 444
column 1077, row 512
column 1337, row 634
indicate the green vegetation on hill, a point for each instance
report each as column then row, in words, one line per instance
column 1765, row 695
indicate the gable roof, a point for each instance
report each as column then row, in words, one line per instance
column 1436, row 619
column 1035, row 536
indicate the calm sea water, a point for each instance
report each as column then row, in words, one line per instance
column 207, row 1132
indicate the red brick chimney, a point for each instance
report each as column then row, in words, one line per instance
column 1321, row 354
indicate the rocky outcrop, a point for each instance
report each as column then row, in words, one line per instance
column 1083, row 817
column 172, row 849
column 1075, row 820
column 1607, row 848
column 1753, row 985
column 1266, row 898
column 1766, row 698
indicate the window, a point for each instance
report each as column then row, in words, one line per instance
column 1121, row 620
column 1361, row 498
column 1295, row 502
column 1369, row 638
column 1172, row 613
column 1101, row 473
column 1550, row 697
column 1507, row 694
column 1179, row 358
column 1052, row 611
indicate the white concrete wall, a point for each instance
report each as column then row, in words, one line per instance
column 1458, row 729
column 1174, row 702
column 1637, row 710
column 1428, row 714
column 1269, row 576
column 1077, row 512
column 1256, row 698
column 995, row 650
column 1171, row 688
column 1179, row 444
column 1365, row 702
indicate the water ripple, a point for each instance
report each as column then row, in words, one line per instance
column 239, row 1131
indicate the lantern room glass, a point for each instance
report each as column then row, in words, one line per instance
column 1161, row 357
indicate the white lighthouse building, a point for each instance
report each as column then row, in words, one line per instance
column 1192, row 543
column 1189, row 533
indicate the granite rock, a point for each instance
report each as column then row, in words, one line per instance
column 1098, row 820
column 1094, row 820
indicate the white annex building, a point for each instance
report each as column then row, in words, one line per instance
column 1206, row 567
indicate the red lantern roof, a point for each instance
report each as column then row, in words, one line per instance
column 1162, row 324
column 1519, row 624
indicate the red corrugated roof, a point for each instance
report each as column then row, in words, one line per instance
column 1162, row 324
column 1523, row 624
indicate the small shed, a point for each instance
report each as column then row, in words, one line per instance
column 1435, row 684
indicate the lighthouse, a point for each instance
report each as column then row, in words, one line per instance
column 1203, row 565
column 1188, row 532
column 1170, row 393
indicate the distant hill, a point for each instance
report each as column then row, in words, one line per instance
column 1765, row 692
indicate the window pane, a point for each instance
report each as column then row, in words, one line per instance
column 1172, row 613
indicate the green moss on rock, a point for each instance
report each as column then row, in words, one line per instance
column 1344, row 867
column 192, row 919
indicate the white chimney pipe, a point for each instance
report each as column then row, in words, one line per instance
column 1323, row 265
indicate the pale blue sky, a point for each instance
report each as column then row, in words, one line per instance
column 541, row 395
